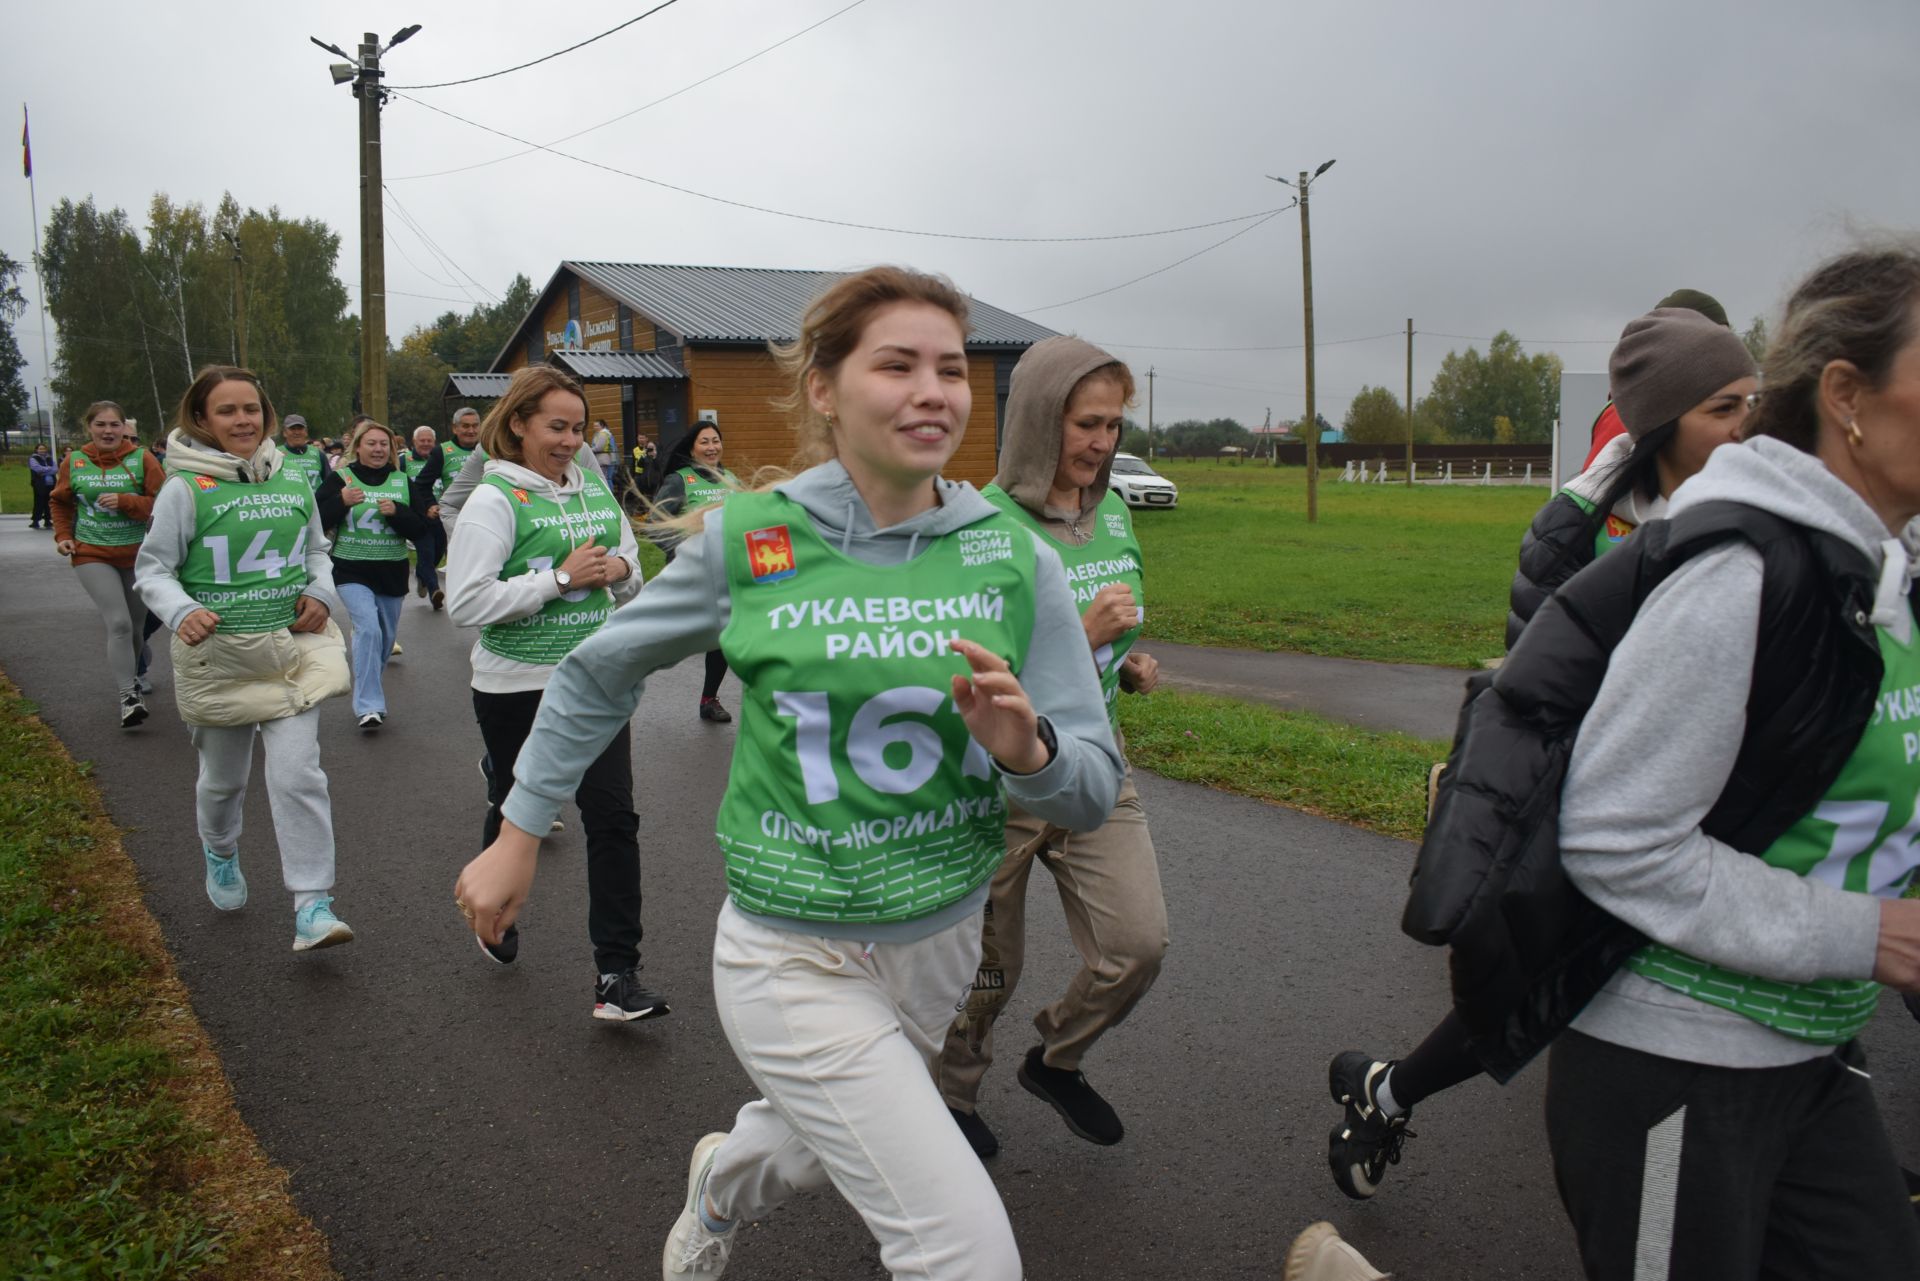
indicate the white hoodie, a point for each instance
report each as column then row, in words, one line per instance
column 477, row 595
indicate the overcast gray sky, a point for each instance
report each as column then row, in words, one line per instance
column 1549, row 168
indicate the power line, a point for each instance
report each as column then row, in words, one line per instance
column 836, row 222
column 1337, row 342
column 448, row 84
column 1169, row 267
column 433, row 246
column 1544, row 342
column 441, row 173
column 445, row 284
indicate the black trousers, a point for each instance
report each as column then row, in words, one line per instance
column 605, row 798
column 42, row 507
column 716, row 672
column 1700, row 1173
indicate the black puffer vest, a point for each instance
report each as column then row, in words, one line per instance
column 1528, row 950
column 1557, row 545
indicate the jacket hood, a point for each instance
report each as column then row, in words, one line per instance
column 569, row 486
column 1777, row 478
column 110, row 457
column 1592, row 484
column 840, row 515
column 188, row 457
column 1036, row 403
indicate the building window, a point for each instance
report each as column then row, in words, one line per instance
column 646, row 411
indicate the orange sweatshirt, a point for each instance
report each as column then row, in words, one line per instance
column 138, row 506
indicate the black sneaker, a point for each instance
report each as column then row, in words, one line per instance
column 439, row 600
column 711, row 710
column 1363, row 1145
column 1067, row 1092
column 503, row 952
column 132, row 711
column 623, row 998
column 979, row 1137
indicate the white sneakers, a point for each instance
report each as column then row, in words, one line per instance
column 1318, row 1254
column 691, row 1250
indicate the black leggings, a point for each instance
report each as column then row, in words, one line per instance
column 605, row 798
column 1438, row 1063
column 716, row 672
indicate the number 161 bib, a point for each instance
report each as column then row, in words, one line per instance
column 856, row 793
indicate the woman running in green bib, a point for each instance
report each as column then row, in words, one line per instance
column 541, row 555
column 1064, row 410
column 910, row 660
column 235, row 563
column 695, row 479
column 102, row 498
column 372, row 510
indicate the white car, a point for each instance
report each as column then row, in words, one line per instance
column 1140, row 485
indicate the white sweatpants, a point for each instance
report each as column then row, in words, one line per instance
column 840, row 1046
column 296, row 791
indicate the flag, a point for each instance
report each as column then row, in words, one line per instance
column 26, row 144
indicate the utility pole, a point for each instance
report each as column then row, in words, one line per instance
column 364, row 72
column 373, row 244
column 1150, row 411
column 1313, row 420
column 1409, row 400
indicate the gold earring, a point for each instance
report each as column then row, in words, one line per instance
column 829, row 418
column 1853, row 433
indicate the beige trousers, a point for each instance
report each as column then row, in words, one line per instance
column 1109, row 883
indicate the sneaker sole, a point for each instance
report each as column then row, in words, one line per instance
column 497, row 959
column 224, row 907
column 133, row 718
column 334, row 937
column 614, row 1014
column 1037, row 1092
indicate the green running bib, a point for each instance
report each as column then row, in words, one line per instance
column 856, row 792
column 90, row 482
column 248, row 559
column 364, row 533
column 545, row 533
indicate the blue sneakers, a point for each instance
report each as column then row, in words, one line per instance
column 225, row 886
column 315, row 925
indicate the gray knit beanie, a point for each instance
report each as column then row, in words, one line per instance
column 1670, row 360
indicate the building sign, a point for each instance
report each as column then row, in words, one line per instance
column 598, row 335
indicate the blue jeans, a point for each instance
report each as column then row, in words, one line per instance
column 376, row 622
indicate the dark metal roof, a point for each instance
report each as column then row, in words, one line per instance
column 616, row 366
column 757, row 304
column 484, row 386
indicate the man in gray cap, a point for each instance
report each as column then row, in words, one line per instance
column 303, row 459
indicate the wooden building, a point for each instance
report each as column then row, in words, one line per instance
column 661, row 347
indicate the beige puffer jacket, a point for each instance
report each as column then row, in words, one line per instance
column 243, row 678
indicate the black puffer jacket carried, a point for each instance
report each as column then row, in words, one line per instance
column 1528, row 950
column 1557, row 545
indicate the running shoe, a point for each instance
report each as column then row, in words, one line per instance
column 132, row 711
column 225, row 886
column 624, row 999
column 373, row 721
column 503, row 952
column 1066, row 1091
column 316, row 926
column 711, row 710
column 979, row 1137
column 1367, row 1141
column 439, row 599
column 692, row 1249
column 421, row 591
column 1318, row 1254
column 395, row 651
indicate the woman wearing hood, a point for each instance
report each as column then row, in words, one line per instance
column 694, row 478
column 102, row 498
column 908, row 655
column 1064, row 413
column 541, row 555
column 372, row 510
column 235, row 563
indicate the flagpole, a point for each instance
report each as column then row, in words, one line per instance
column 46, row 320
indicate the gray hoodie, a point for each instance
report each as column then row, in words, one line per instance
column 595, row 689
column 1654, row 754
column 1030, row 455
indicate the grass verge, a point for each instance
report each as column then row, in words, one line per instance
column 123, row 1152
column 16, row 483
column 1371, row 779
column 1390, row 573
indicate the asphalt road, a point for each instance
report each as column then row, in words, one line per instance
column 1408, row 697
column 443, row 1117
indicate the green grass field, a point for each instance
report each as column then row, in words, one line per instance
column 1388, row 573
column 15, row 492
